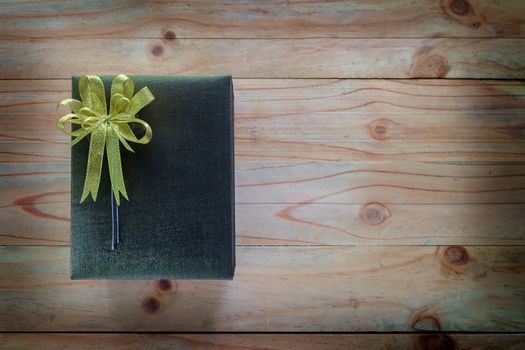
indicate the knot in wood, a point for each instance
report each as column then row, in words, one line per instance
column 425, row 320
column 374, row 213
column 433, row 66
column 157, row 50
column 151, row 304
column 435, row 342
column 164, row 285
column 456, row 255
column 379, row 129
column 460, row 7
column 169, row 35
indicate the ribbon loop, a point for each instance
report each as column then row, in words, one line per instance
column 123, row 87
column 141, row 99
column 106, row 130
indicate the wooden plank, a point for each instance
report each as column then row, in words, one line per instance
column 42, row 218
column 279, row 289
column 468, row 136
column 260, row 149
column 321, row 183
column 377, row 224
column 314, row 203
column 382, row 182
column 65, row 341
column 267, row 58
column 268, row 19
column 310, row 120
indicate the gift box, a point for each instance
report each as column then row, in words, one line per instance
column 179, row 220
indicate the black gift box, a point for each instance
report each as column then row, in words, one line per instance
column 179, row 221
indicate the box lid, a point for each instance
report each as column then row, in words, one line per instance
column 179, row 222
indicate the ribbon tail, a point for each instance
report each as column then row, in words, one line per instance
column 115, row 165
column 94, row 165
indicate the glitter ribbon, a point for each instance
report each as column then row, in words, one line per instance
column 106, row 129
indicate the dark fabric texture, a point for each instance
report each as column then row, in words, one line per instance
column 179, row 222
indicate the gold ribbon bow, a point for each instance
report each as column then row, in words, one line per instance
column 106, row 129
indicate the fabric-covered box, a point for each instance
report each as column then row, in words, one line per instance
column 179, row 221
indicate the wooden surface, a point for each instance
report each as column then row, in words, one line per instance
column 383, row 288
column 261, row 341
column 28, row 19
column 268, row 58
column 365, row 201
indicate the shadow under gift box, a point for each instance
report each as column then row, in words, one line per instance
column 179, row 221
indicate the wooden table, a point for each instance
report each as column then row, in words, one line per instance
column 380, row 174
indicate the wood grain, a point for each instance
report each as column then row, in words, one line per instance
column 362, row 205
column 65, row 341
column 318, row 162
column 43, row 219
column 312, row 120
column 279, row 289
column 267, row 58
column 383, row 182
column 378, row 224
column 268, row 19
